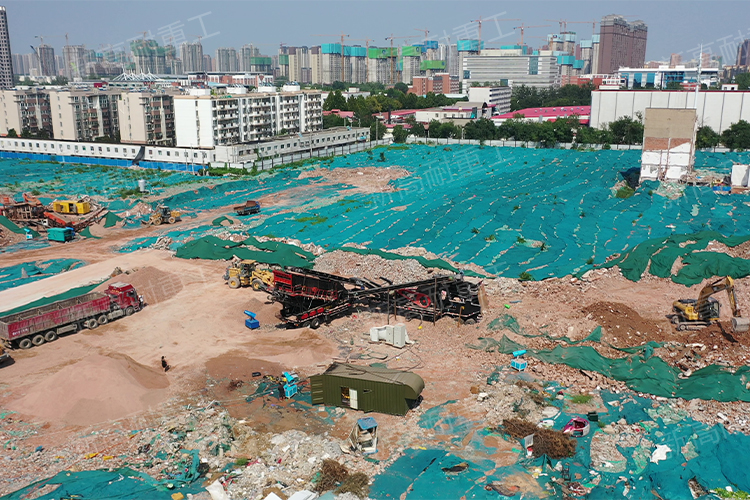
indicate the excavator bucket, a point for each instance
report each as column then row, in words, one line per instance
column 740, row 325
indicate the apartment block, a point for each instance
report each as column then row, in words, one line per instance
column 83, row 115
column 74, row 62
column 146, row 118
column 192, row 57
column 203, row 120
column 442, row 83
column 25, row 109
column 6, row 62
column 623, row 44
column 47, row 61
column 226, row 60
column 499, row 97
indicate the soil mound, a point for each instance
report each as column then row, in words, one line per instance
column 619, row 319
column 96, row 389
column 154, row 284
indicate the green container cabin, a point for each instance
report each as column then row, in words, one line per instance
column 367, row 388
column 61, row 234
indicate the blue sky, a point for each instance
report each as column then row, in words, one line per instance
column 674, row 26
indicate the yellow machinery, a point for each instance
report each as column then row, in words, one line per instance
column 71, row 207
column 246, row 273
column 705, row 310
column 163, row 215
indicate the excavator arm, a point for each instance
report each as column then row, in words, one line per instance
column 716, row 287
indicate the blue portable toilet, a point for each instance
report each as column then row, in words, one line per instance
column 251, row 322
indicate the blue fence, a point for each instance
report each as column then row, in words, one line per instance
column 108, row 162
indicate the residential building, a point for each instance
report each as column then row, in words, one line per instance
column 47, row 63
column 498, row 97
column 335, row 67
column 441, row 83
column 382, row 65
column 743, row 53
column 675, row 60
column 191, row 55
column 226, row 60
column 208, row 63
column 247, row 52
column 518, row 65
column 25, row 108
column 19, row 64
column 203, row 120
column 6, row 62
column 299, row 64
column 623, row 44
column 146, row 118
column 459, row 113
column 84, row 114
column 149, row 57
column 75, row 62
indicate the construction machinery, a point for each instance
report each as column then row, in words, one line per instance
column 248, row 208
column 311, row 298
column 162, row 214
column 46, row 323
column 246, row 273
column 706, row 310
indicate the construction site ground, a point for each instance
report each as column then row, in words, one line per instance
column 95, row 399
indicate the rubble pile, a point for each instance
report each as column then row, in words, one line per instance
column 162, row 243
column 372, row 267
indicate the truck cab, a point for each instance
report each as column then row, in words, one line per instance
column 125, row 296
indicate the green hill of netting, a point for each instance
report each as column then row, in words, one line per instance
column 510, row 210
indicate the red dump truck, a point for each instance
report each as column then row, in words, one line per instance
column 45, row 323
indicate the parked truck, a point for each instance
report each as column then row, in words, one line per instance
column 250, row 207
column 46, row 323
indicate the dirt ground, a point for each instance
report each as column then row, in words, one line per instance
column 113, row 374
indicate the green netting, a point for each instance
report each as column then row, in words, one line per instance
column 12, row 227
column 86, row 232
column 508, row 322
column 73, row 292
column 661, row 253
column 702, row 265
column 220, row 220
column 425, row 262
column 27, row 272
column 111, row 219
column 213, row 248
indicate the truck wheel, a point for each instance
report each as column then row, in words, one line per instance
column 37, row 339
column 129, row 311
column 50, row 336
column 234, row 282
column 102, row 320
column 91, row 324
column 257, row 284
column 25, row 343
column 171, row 220
column 315, row 323
column 470, row 321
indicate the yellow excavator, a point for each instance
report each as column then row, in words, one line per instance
column 246, row 273
column 705, row 310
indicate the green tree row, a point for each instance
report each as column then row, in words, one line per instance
column 736, row 137
column 524, row 97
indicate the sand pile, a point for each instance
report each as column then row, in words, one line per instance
column 154, row 284
column 96, row 389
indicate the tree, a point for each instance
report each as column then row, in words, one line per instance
column 26, row 133
column 377, row 130
column 626, row 130
column 673, row 86
column 335, row 101
column 482, row 129
column 706, row 137
column 417, row 128
column 743, row 81
column 333, row 121
column 400, row 134
column 12, row 133
column 402, row 87
column 737, row 136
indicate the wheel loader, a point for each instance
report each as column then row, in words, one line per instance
column 246, row 273
column 690, row 313
column 164, row 215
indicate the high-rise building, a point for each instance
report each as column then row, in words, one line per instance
column 519, row 65
column 192, row 57
column 247, row 53
column 19, row 66
column 84, row 115
column 208, row 63
column 623, row 44
column 75, row 61
column 675, row 60
column 149, row 57
column 146, row 118
column 299, row 64
column 226, row 60
column 6, row 62
column 47, row 63
column 743, row 53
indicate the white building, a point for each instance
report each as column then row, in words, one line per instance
column 716, row 109
column 203, row 120
column 146, row 118
column 497, row 96
column 662, row 76
column 84, row 115
column 514, row 65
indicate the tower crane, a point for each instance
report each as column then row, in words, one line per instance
column 342, row 35
column 391, row 38
column 367, row 48
column 479, row 30
column 562, row 22
column 523, row 27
